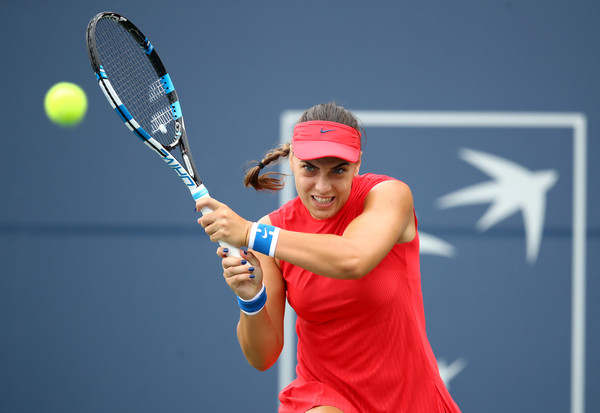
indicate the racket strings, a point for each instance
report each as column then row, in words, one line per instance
column 155, row 91
column 135, row 80
column 160, row 121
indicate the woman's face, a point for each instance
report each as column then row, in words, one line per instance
column 323, row 184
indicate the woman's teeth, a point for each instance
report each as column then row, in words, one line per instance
column 321, row 200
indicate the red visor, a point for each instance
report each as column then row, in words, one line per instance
column 321, row 139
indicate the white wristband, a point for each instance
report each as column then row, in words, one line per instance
column 263, row 238
column 255, row 304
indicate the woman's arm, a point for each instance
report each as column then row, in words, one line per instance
column 260, row 335
column 387, row 219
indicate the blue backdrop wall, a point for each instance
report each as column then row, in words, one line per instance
column 111, row 297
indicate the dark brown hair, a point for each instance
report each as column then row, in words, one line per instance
column 273, row 181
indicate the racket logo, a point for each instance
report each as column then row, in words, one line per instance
column 180, row 170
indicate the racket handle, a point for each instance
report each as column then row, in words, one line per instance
column 233, row 251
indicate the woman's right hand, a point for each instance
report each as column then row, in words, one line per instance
column 243, row 276
column 221, row 223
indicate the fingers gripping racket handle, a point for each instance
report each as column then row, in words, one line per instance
column 199, row 192
column 233, row 251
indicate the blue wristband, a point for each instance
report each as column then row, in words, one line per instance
column 254, row 305
column 263, row 238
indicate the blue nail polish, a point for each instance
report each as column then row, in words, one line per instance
column 250, row 269
column 225, row 250
column 243, row 262
column 252, row 275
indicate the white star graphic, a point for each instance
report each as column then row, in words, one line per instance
column 432, row 245
column 449, row 371
column 514, row 188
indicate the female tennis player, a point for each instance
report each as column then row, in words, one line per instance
column 345, row 253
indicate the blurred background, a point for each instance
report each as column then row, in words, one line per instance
column 111, row 296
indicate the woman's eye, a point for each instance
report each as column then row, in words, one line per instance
column 309, row 168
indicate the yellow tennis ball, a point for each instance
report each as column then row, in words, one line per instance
column 65, row 104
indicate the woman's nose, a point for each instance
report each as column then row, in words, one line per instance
column 323, row 185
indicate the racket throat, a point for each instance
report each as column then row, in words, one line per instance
column 188, row 165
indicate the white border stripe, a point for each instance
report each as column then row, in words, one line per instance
column 575, row 121
column 578, row 263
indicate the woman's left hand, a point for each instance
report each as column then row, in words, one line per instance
column 243, row 276
column 223, row 224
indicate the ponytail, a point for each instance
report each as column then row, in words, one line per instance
column 269, row 181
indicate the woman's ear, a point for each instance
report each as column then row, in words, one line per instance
column 358, row 164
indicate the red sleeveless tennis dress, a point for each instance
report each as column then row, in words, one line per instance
column 362, row 345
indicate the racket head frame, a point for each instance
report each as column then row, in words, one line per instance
column 187, row 172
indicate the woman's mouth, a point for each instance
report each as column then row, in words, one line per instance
column 322, row 200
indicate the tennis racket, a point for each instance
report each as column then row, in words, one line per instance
column 138, row 87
